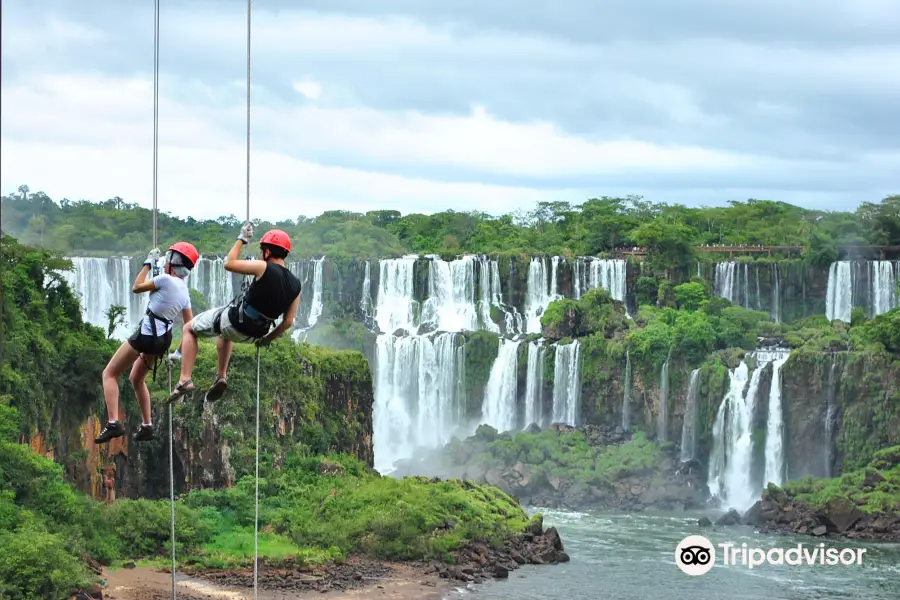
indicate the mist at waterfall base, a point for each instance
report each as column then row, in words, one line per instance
column 632, row 557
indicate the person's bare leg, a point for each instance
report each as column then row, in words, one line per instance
column 223, row 351
column 116, row 367
column 138, row 380
column 189, row 349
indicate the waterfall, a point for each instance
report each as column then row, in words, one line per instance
column 315, row 307
column 419, row 394
column 724, row 281
column 499, row 406
column 830, row 419
column 534, row 383
column 366, row 306
column 626, row 397
column 663, row 416
column 689, row 428
column 101, row 283
column 214, row 283
column 567, row 383
column 607, row 274
column 839, row 298
column 731, row 458
column 732, row 282
column 776, row 294
column 395, row 307
column 775, row 429
column 491, row 296
column 538, row 293
column 419, row 379
column 883, row 286
column 451, row 295
column 758, row 294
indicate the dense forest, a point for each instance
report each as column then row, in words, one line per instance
column 672, row 233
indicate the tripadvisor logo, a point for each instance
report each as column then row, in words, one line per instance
column 696, row 555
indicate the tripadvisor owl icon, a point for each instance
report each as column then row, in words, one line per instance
column 695, row 555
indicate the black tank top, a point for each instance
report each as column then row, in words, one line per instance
column 269, row 295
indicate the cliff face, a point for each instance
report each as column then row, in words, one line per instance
column 311, row 398
column 840, row 409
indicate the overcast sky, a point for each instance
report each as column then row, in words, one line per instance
column 425, row 105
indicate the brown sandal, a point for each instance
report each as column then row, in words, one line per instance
column 218, row 389
column 180, row 390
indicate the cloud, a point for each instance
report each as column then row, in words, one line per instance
column 424, row 107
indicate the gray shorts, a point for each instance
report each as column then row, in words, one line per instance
column 204, row 326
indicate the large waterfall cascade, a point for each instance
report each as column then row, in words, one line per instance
column 731, row 459
column 104, row 282
column 729, row 478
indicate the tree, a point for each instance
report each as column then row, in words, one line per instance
column 669, row 245
column 690, row 296
column 115, row 316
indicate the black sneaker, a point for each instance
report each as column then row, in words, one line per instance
column 144, row 433
column 110, row 431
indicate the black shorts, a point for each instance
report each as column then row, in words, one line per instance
column 147, row 344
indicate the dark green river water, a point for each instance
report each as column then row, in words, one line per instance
column 632, row 557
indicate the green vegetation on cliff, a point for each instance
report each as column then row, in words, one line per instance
column 874, row 488
column 312, row 510
column 598, row 225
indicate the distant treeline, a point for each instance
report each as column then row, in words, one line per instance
column 599, row 225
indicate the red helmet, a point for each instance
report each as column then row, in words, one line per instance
column 276, row 237
column 188, row 251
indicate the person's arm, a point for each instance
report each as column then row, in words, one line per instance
column 142, row 284
column 245, row 267
column 287, row 321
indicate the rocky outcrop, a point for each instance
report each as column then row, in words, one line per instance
column 479, row 561
column 779, row 513
column 862, row 504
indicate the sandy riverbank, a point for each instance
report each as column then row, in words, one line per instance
column 353, row 580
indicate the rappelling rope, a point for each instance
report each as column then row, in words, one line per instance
column 256, row 516
column 155, row 244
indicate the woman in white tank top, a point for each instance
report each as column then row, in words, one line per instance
column 169, row 297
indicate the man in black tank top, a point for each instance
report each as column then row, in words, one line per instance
column 274, row 292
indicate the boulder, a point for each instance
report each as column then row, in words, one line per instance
column 728, row 519
column 840, row 514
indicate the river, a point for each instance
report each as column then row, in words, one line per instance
column 632, row 557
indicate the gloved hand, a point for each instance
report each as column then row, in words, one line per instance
column 263, row 342
column 152, row 257
column 175, row 355
column 246, row 232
